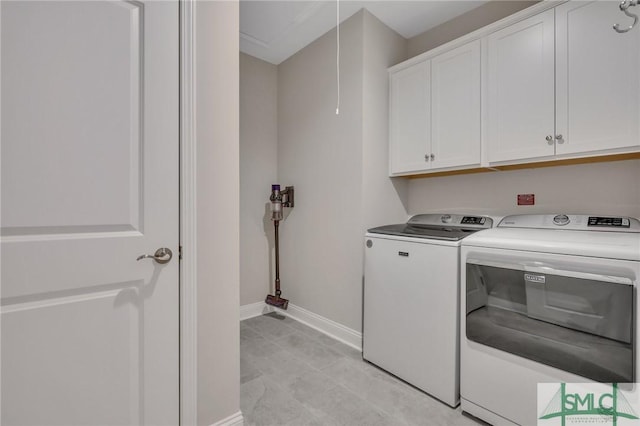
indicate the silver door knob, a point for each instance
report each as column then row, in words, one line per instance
column 559, row 139
column 549, row 139
column 162, row 255
column 433, row 157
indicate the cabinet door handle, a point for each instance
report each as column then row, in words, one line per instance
column 549, row 139
column 426, row 157
column 559, row 139
column 433, row 157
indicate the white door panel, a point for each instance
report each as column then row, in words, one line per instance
column 89, row 182
column 456, row 107
column 410, row 118
column 598, row 104
column 71, row 87
column 520, row 91
column 49, row 344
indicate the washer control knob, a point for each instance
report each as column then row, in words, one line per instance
column 446, row 218
column 561, row 219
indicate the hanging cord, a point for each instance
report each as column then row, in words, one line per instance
column 338, row 54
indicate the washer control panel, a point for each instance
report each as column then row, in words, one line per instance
column 451, row 220
column 473, row 220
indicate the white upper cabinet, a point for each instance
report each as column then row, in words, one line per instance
column 455, row 102
column 435, row 113
column 520, row 90
column 597, row 83
column 410, row 118
column 553, row 82
column 592, row 103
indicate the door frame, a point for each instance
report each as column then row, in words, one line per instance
column 188, row 282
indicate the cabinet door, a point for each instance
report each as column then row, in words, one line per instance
column 410, row 119
column 520, row 89
column 455, row 102
column 597, row 78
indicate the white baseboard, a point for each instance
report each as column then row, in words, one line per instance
column 233, row 420
column 329, row 327
column 254, row 310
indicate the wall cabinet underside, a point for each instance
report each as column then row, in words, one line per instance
column 520, row 166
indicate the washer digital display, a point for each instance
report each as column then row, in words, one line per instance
column 473, row 220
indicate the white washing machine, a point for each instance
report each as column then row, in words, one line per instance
column 546, row 299
column 411, row 300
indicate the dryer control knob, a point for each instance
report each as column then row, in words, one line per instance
column 369, row 243
column 561, row 219
column 446, row 218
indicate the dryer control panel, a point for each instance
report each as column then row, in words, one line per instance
column 619, row 222
column 572, row 222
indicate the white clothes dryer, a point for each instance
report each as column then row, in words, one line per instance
column 546, row 298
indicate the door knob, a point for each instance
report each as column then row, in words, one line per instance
column 559, row 139
column 549, row 139
column 162, row 255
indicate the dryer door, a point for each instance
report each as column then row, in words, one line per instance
column 573, row 316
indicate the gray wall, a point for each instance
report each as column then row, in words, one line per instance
column 217, row 40
column 321, row 154
column 335, row 161
column 258, row 170
column 601, row 188
column 474, row 19
column 384, row 200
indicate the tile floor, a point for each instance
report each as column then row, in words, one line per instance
column 292, row 374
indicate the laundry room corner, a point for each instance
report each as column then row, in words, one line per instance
column 338, row 163
column 258, row 170
column 290, row 134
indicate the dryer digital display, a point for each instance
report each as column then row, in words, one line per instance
column 618, row 222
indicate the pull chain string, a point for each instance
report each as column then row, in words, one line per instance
column 338, row 54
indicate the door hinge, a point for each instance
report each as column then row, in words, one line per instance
column 179, row 252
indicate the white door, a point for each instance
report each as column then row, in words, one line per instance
column 520, row 90
column 597, row 85
column 410, row 119
column 89, row 182
column 455, row 88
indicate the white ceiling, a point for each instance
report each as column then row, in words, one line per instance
column 275, row 30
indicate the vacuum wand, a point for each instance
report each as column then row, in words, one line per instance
column 279, row 199
column 276, row 225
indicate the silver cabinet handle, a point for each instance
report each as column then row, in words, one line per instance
column 559, row 139
column 426, row 157
column 162, row 255
column 433, row 157
column 549, row 139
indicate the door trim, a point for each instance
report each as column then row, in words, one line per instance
column 188, row 287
